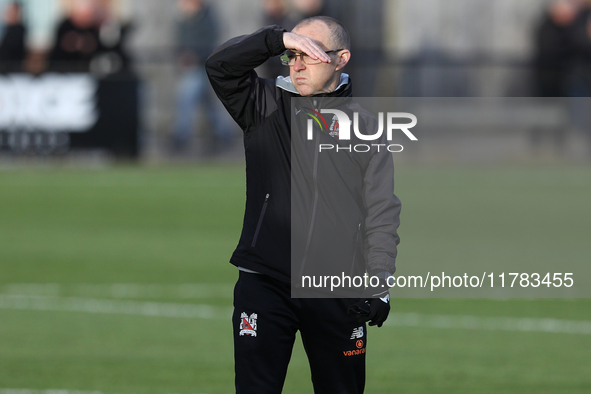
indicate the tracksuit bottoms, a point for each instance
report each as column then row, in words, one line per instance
column 265, row 322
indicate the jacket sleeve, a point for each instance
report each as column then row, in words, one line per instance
column 230, row 69
column 382, row 214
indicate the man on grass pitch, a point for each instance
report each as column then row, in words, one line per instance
column 343, row 203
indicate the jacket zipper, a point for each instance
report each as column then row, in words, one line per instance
column 314, row 206
column 260, row 223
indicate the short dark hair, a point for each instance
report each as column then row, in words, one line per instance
column 339, row 33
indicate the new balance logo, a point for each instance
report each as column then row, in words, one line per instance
column 357, row 333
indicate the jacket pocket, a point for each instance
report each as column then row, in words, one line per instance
column 260, row 223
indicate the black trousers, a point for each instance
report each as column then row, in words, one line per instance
column 265, row 322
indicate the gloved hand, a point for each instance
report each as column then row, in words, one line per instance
column 374, row 304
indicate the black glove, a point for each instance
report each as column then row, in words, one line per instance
column 374, row 304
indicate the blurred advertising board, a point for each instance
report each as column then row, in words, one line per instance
column 57, row 113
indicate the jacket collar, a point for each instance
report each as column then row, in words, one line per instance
column 286, row 84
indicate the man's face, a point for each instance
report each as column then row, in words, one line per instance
column 315, row 78
column 190, row 6
column 12, row 15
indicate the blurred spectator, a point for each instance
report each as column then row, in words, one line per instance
column 12, row 40
column 196, row 36
column 77, row 39
column 563, row 62
column 276, row 13
column 287, row 13
column 579, row 82
column 113, row 57
column 89, row 39
column 308, row 8
column 555, row 48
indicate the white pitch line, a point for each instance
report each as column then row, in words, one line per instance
column 104, row 306
column 49, row 391
column 144, row 291
column 52, row 391
column 519, row 324
column 122, row 290
column 159, row 309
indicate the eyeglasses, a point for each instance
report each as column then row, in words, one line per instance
column 289, row 58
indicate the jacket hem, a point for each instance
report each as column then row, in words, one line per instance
column 261, row 269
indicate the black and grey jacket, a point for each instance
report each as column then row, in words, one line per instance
column 291, row 222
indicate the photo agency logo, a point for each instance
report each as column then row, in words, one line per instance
column 340, row 128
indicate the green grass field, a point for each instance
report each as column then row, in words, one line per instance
column 117, row 281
